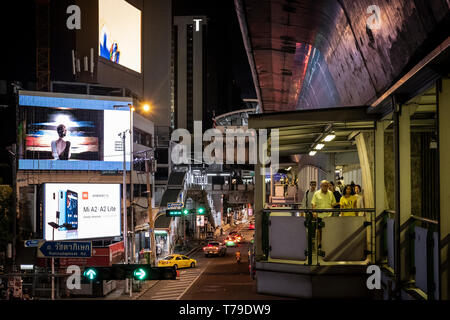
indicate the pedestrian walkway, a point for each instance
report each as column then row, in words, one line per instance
column 172, row 289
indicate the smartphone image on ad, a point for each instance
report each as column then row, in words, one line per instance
column 72, row 209
column 62, row 209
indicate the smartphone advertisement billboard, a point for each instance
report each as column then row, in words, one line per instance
column 71, row 132
column 120, row 33
column 81, row 211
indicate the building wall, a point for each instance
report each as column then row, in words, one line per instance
column 157, row 27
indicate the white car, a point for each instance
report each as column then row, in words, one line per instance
column 215, row 248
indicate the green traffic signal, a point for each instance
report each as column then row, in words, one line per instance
column 140, row 274
column 90, row 273
column 185, row 211
column 201, row 210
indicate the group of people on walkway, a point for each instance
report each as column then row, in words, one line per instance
column 330, row 196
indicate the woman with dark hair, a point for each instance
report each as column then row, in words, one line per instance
column 60, row 147
column 348, row 201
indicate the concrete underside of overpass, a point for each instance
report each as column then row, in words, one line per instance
column 328, row 53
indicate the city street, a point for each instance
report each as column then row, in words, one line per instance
column 215, row 278
column 194, row 150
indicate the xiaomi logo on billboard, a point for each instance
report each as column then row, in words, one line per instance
column 84, row 195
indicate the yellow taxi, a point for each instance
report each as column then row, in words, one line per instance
column 177, row 261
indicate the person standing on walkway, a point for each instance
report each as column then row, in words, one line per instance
column 323, row 199
column 337, row 194
column 339, row 187
column 348, row 201
column 307, row 198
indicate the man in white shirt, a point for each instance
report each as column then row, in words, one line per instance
column 323, row 199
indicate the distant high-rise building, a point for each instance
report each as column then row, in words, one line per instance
column 188, row 70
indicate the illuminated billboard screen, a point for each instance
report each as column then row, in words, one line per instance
column 71, row 132
column 120, row 33
column 81, row 211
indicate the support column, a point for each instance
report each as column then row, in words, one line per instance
column 366, row 169
column 259, row 201
column 443, row 108
column 380, row 190
column 402, row 155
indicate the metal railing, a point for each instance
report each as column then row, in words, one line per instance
column 314, row 226
column 415, row 227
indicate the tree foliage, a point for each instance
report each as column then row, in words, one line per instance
column 6, row 216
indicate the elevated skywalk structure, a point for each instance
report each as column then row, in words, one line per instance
column 307, row 55
column 289, row 260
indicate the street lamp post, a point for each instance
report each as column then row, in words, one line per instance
column 151, row 221
column 133, row 248
column 124, row 185
column 56, row 226
column 131, row 193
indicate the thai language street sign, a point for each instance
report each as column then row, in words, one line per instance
column 65, row 249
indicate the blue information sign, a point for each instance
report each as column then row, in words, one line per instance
column 32, row 243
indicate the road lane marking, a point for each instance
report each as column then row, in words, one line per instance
column 203, row 270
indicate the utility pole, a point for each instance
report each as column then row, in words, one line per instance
column 133, row 246
column 150, row 213
column 14, row 154
column 14, row 198
column 124, row 204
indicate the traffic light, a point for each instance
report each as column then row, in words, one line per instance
column 97, row 273
column 201, row 210
column 123, row 271
column 185, row 212
column 140, row 274
column 144, row 272
column 90, row 274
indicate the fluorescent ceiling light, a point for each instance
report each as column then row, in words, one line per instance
column 319, row 146
column 224, row 174
column 288, row 169
column 312, row 153
column 211, row 174
column 329, row 137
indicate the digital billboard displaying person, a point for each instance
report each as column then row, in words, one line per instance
column 71, row 134
column 83, row 138
column 60, row 147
